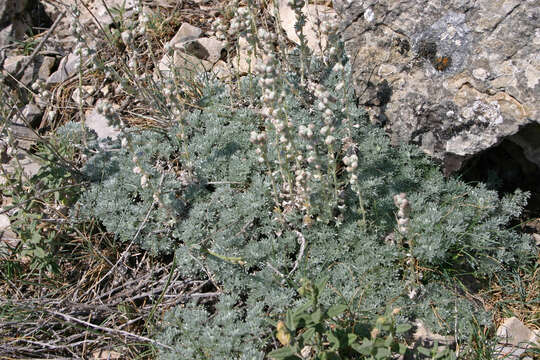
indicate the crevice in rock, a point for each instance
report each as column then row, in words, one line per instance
column 506, row 167
column 40, row 20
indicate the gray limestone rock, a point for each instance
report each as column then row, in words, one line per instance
column 205, row 48
column 69, row 65
column 514, row 339
column 99, row 123
column 455, row 77
column 10, row 11
column 32, row 114
column 39, row 68
column 187, row 32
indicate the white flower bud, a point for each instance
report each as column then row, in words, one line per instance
column 324, row 130
column 328, row 112
column 144, row 181
column 261, row 137
column 329, row 140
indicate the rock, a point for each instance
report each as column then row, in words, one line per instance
column 11, row 24
column 24, row 136
column 87, row 90
column 424, row 337
column 11, row 8
column 4, row 222
column 8, row 239
column 39, row 68
column 46, row 67
column 240, row 61
column 313, row 14
column 186, row 33
column 187, row 66
column 454, row 77
column 209, row 49
column 97, row 122
column 33, row 114
column 69, row 65
column 22, row 160
column 514, row 332
column 97, row 10
column 13, row 63
column 514, row 339
column 536, row 238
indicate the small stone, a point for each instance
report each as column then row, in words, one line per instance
column 13, row 63
column 69, row 65
column 188, row 66
column 45, row 68
column 313, row 14
column 7, row 236
column 536, row 238
column 369, row 15
column 106, row 90
column 386, row 69
column 4, row 222
column 186, row 32
column 86, row 90
column 244, row 62
column 514, row 332
column 32, row 114
column 209, row 49
column 99, row 123
column 424, row 337
column 25, row 136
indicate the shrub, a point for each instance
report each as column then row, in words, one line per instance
column 242, row 219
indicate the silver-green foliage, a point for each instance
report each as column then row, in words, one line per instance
column 218, row 214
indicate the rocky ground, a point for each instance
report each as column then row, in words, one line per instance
column 47, row 84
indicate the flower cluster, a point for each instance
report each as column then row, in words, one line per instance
column 403, row 212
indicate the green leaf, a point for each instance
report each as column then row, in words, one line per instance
column 383, row 353
column 303, row 308
column 317, row 316
column 389, row 340
column 422, row 350
column 351, row 338
column 308, row 334
column 336, row 310
column 364, row 348
column 321, row 284
column 332, row 338
column 403, row 328
column 402, row 349
column 39, row 252
column 36, row 238
column 283, row 353
column 289, row 321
